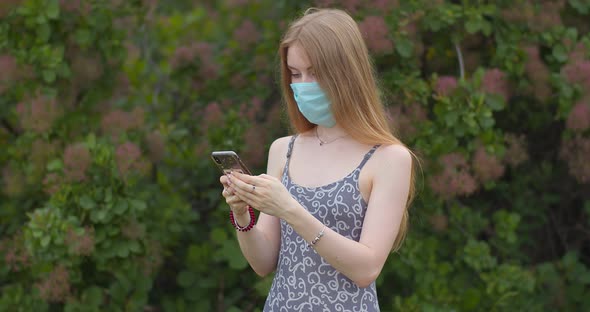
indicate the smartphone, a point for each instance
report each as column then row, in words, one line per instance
column 228, row 161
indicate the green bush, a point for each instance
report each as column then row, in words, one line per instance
column 109, row 110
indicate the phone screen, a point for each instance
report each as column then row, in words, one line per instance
column 228, row 161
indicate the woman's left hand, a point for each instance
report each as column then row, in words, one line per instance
column 264, row 193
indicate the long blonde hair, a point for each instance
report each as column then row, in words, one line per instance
column 342, row 67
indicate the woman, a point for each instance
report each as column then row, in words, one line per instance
column 333, row 203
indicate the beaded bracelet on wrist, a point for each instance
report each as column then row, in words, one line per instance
column 243, row 228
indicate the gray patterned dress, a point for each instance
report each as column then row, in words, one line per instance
column 304, row 281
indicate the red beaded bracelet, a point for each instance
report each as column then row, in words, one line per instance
column 247, row 227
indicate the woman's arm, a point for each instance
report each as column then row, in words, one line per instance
column 360, row 261
column 260, row 246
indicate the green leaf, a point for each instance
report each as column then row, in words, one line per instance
column 49, row 76
column 45, row 241
column 120, row 207
column 233, row 255
column 93, row 296
column 494, row 102
column 91, row 141
column 101, row 215
column 405, row 47
column 451, row 118
column 472, row 26
column 122, row 250
column 83, row 36
column 582, row 6
column 137, row 204
column 52, row 9
column 86, row 202
column 55, row 165
column 186, row 278
column 134, row 246
column 560, row 53
column 218, row 235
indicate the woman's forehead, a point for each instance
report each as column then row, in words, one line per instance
column 297, row 58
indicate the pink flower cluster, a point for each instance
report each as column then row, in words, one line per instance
column 376, row 34
column 56, row 286
column 237, row 3
column 13, row 181
column 385, row 5
column 354, row 6
column 439, row 222
column 86, row 68
column 133, row 230
column 201, row 149
column 127, row 156
column 445, row 85
column 77, row 160
column 578, row 52
column 575, row 153
column 117, row 122
column 42, row 151
column 405, row 118
column 547, row 16
column 7, row 5
column 486, row 167
column 76, row 6
column 254, row 154
column 579, row 117
column 16, row 256
column 200, row 52
column 577, row 71
column 251, row 109
column 51, row 183
column 153, row 258
column 246, row 33
column 156, row 146
column 82, row 244
column 8, row 70
column 455, row 178
column 495, row 82
column 538, row 73
column 516, row 149
column 38, row 114
column 211, row 116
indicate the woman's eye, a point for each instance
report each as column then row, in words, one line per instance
column 295, row 75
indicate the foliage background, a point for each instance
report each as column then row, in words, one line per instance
column 109, row 109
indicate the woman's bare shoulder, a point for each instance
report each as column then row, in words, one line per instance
column 393, row 156
column 277, row 155
column 280, row 145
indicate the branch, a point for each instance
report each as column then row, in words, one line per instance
column 460, row 57
column 9, row 127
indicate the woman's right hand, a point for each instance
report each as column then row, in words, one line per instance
column 238, row 206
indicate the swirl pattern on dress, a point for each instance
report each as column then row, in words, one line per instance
column 304, row 281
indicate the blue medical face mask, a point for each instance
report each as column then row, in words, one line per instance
column 313, row 103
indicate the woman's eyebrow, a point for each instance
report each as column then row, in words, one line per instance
column 291, row 67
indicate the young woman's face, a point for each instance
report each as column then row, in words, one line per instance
column 298, row 63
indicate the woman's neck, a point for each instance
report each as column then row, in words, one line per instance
column 327, row 135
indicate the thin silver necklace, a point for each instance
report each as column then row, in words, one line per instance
column 322, row 142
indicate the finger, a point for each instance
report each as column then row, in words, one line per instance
column 254, row 180
column 233, row 200
column 267, row 177
column 237, row 183
column 247, row 196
